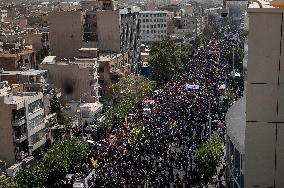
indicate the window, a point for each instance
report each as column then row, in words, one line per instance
column 35, row 106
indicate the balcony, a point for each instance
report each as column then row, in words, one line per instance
column 19, row 122
column 21, row 138
column 21, row 155
column 38, row 144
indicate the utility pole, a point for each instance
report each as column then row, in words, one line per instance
column 210, row 123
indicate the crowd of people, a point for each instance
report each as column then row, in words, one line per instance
column 158, row 150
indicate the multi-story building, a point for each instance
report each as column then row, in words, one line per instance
column 76, row 77
column 22, row 126
column 99, row 4
column 108, row 29
column 14, row 57
column 111, row 67
column 255, row 129
column 65, row 33
column 114, row 31
column 153, row 25
column 32, row 80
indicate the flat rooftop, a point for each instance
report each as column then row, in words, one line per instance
column 266, row 6
column 30, row 72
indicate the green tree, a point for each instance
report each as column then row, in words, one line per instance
column 62, row 157
column 238, row 58
column 165, row 60
column 133, row 87
column 208, row 157
column 8, row 183
column 33, row 177
column 243, row 34
column 186, row 51
column 55, row 107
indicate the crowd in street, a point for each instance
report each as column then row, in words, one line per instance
column 158, row 150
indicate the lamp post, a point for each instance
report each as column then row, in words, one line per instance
column 81, row 115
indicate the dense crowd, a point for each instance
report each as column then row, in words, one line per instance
column 152, row 151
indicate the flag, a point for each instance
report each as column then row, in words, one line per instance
column 126, row 124
column 123, row 182
column 174, row 123
column 94, row 162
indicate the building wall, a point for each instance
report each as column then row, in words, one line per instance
column 153, row 25
column 7, row 151
column 11, row 62
column 264, row 143
column 73, row 80
column 109, row 73
column 108, row 30
column 66, row 33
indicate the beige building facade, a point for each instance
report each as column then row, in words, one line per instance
column 76, row 77
column 22, row 126
column 264, row 142
column 65, row 33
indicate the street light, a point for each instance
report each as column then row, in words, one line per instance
column 81, row 115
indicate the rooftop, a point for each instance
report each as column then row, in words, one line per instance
column 49, row 59
column 29, row 72
column 266, row 6
column 154, row 12
column 236, row 124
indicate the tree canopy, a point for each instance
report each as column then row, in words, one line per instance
column 208, row 157
column 166, row 58
column 128, row 92
column 57, row 162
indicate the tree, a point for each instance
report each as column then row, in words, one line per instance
column 186, row 51
column 238, row 58
column 165, row 60
column 62, row 157
column 55, row 107
column 8, row 183
column 243, row 34
column 31, row 177
column 208, row 157
column 134, row 87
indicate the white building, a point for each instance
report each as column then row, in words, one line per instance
column 153, row 25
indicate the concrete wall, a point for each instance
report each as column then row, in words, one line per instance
column 66, row 33
column 264, row 142
column 73, row 80
column 108, row 22
column 7, row 149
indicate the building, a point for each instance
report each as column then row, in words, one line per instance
column 153, row 25
column 31, row 80
column 65, row 33
column 23, row 130
column 99, row 4
column 111, row 67
column 114, row 31
column 77, row 77
column 255, row 123
column 108, row 29
column 14, row 57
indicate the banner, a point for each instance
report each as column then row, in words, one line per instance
column 189, row 86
